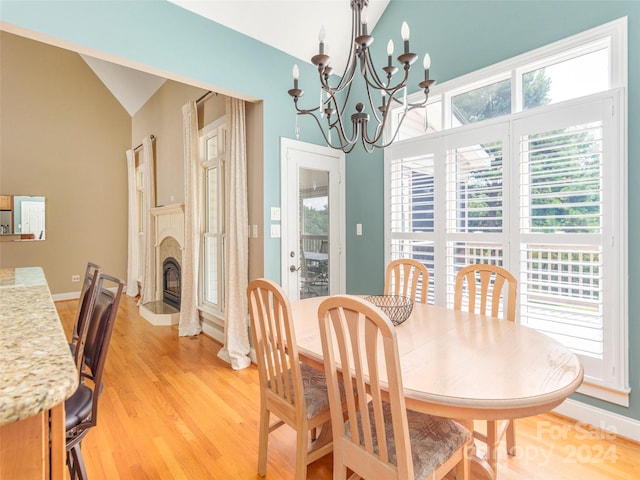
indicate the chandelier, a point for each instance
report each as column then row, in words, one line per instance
column 330, row 115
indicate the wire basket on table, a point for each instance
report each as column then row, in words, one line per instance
column 397, row 307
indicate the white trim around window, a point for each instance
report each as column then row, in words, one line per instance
column 423, row 175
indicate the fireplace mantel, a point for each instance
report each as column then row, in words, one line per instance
column 169, row 222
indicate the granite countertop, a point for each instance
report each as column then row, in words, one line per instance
column 36, row 367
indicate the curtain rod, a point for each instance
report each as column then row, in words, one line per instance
column 140, row 146
column 204, row 96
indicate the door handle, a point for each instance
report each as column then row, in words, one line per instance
column 293, row 268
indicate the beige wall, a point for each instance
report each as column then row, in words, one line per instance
column 161, row 116
column 63, row 135
column 255, row 186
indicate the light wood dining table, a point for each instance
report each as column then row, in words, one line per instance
column 465, row 366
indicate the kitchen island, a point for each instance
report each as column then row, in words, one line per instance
column 37, row 374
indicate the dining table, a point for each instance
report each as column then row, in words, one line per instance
column 37, row 374
column 465, row 366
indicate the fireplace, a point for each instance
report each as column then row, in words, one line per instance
column 164, row 307
column 171, row 282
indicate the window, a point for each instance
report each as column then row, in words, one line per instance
column 540, row 191
column 213, row 236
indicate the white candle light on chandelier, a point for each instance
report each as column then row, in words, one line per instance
column 321, row 36
column 296, row 74
column 404, row 31
column 426, row 64
column 390, row 50
column 363, row 19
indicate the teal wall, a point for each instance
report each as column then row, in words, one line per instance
column 460, row 36
column 463, row 36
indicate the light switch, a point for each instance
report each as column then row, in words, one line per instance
column 275, row 231
column 255, row 231
column 275, row 213
column 358, row 229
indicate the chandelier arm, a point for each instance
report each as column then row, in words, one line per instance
column 350, row 67
column 342, row 145
column 377, row 82
column 380, row 84
column 344, row 105
column 304, row 111
column 411, row 106
column 338, row 125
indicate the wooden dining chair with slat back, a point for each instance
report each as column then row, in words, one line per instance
column 489, row 290
column 293, row 392
column 380, row 438
column 88, row 283
column 407, row 277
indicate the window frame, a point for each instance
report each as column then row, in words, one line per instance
column 615, row 186
column 217, row 129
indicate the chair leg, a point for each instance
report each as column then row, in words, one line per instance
column 511, row 438
column 76, row 463
column 302, row 450
column 263, row 441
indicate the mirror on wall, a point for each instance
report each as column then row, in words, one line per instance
column 22, row 217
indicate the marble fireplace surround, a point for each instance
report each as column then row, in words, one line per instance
column 169, row 242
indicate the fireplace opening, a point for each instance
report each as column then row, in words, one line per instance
column 171, row 282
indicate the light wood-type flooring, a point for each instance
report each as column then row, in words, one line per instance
column 171, row 409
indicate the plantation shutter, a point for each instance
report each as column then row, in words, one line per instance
column 562, row 225
column 412, row 210
column 477, row 194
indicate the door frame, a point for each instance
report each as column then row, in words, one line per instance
column 337, row 249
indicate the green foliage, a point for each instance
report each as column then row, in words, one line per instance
column 316, row 222
column 564, row 166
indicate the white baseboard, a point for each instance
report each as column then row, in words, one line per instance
column 61, row 297
column 214, row 331
column 608, row 421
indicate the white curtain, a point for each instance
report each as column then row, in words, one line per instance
column 148, row 293
column 132, row 237
column 189, row 314
column 236, row 347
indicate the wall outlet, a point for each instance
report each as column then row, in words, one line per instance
column 75, row 278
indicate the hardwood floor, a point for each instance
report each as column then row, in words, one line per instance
column 171, row 409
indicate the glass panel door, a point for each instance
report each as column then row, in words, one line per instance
column 313, row 225
column 312, row 220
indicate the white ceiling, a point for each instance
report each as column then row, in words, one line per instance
column 288, row 25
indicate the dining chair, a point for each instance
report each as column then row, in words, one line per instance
column 293, row 392
column 380, row 438
column 81, row 409
column 86, row 291
column 489, row 290
column 407, row 277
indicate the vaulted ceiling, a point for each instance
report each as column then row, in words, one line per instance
column 295, row 19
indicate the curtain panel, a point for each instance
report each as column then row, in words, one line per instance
column 132, row 235
column 236, row 348
column 189, row 314
column 148, row 293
